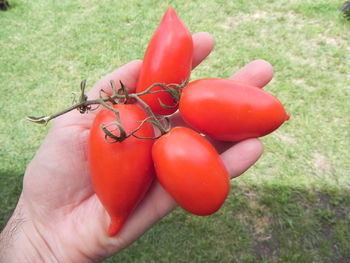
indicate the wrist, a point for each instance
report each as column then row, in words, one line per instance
column 20, row 241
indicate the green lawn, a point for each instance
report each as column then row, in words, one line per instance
column 292, row 206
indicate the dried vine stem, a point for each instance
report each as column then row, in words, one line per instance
column 119, row 96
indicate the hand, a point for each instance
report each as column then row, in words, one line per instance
column 59, row 218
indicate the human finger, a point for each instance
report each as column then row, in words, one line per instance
column 127, row 74
column 203, row 44
column 241, row 156
column 257, row 73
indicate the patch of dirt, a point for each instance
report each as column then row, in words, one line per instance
column 260, row 228
column 231, row 22
column 340, row 206
column 301, row 83
column 321, row 163
column 261, row 221
column 266, row 249
column 285, row 137
column 328, row 40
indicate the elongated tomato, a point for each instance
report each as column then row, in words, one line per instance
column 230, row 111
column 168, row 59
column 191, row 171
column 121, row 172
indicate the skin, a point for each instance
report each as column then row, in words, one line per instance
column 58, row 217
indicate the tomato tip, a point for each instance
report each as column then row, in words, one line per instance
column 170, row 12
column 114, row 228
column 287, row 116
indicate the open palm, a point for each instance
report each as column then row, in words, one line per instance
column 58, row 198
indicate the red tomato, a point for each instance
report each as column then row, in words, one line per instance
column 168, row 59
column 229, row 110
column 121, row 172
column 191, row 171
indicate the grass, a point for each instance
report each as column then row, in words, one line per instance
column 292, row 206
column 269, row 223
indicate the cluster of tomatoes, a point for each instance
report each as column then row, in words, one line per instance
column 183, row 161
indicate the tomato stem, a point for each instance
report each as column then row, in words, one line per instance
column 119, row 96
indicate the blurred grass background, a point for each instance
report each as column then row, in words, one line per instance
column 292, row 206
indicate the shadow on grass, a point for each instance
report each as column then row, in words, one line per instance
column 258, row 223
column 10, row 189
